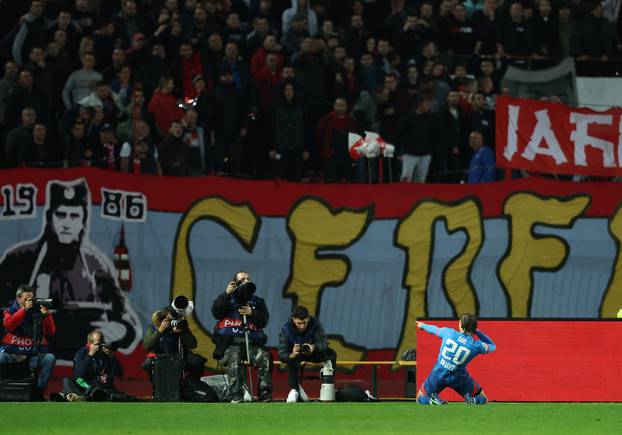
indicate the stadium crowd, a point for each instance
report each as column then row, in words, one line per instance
column 266, row 88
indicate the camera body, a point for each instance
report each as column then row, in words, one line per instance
column 37, row 303
column 243, row 292
column 305, row 348
column 179, row 322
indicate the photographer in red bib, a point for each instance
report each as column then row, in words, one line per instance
column 241, row 317
column 28, row 323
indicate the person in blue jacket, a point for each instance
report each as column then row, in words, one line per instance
column 482, row 168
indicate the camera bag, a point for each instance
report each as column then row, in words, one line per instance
column 16, row 383
column 167, row 377
column 18, row 390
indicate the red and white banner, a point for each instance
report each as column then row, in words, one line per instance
column 553, row 138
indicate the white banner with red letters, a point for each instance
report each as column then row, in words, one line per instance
column 547, row 137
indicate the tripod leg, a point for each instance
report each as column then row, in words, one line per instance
column 248, row 360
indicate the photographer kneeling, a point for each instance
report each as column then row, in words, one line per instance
column 302, row 338
column 27, row 324
column 169, row 334
column 94, row 369
column 241, row 313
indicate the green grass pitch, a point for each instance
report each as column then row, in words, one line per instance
column 315, row 418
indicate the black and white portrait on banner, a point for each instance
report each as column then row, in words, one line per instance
column 63, row 264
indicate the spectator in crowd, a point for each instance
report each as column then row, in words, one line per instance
column 83, row 113
column 234, row 32
column 83, row 16
column 134, row 112
column 289, row 148
column 103, row 97
column 240, row 72
column 485, row 25
column 566, row 26
column 189, row 65
column 346, row 81
column 516, row 38
column 173, row 152
column 370, row 76
column 481, row 119
column 382, row 55
column 143, row 158
column 7, row 82
column 332, row 138
column 458, row 33
column 19, row 139
column 65, row 24
column 141, row 131
column 81, row 82
column 164, row 106
column 111, row 72
column 416, row 137
column 229, row 124
column 123, row 87
column 258, row 61
column 595, row 41
column 46, row 152
column 42, row 75
column 312, row 63
column 199, row 147
column 302, row 8
column 293, row 38
column 103, row 148
column 74, row 145
column 255, row 39
column 482, row 166
column 25, row 94
column 355, row 38
column 450, row 154
column 546, row 33
column 62, row 67
column 157, row 66
column 30, row 32
column 128, row 22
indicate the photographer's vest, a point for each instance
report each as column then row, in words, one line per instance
column 21, row 339
column 296, row 337
column 168, row 342
column 100, row 370
column 232, row 324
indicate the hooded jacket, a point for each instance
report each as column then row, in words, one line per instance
column 289, row 14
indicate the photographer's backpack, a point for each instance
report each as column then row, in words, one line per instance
column 167, row 376
column 17, row 384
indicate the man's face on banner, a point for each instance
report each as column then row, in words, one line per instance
column 67, row 223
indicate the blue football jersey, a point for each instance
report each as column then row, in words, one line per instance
column 458, row 349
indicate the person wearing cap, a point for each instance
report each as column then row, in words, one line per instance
column 145, row 157
column 103, row 148
column 63, row 264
